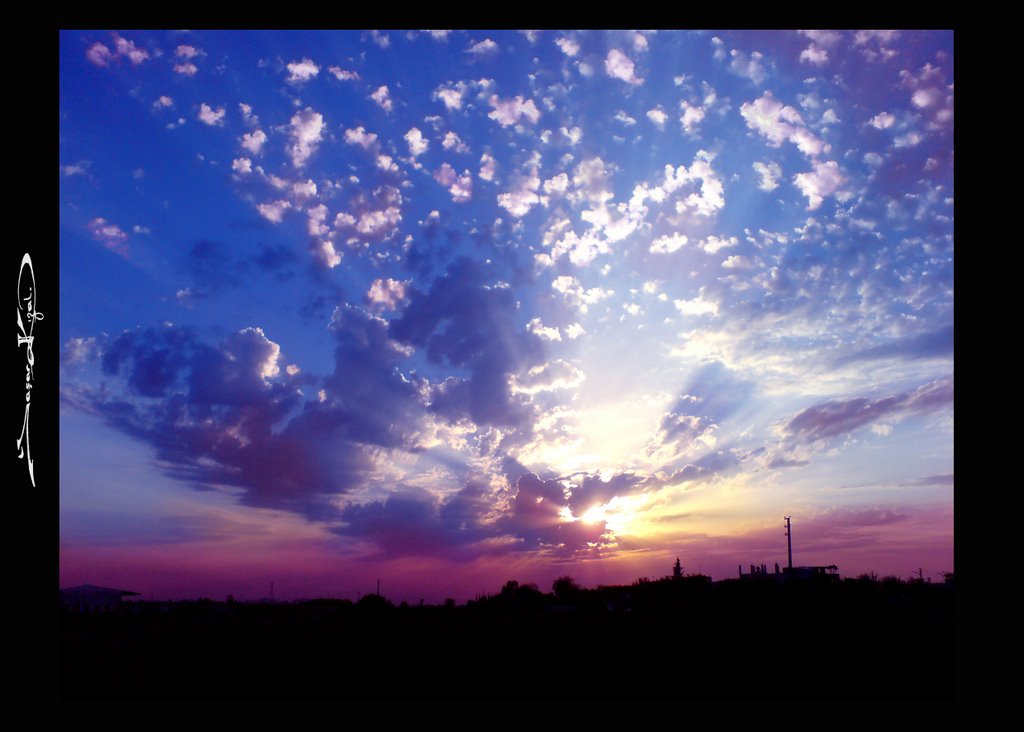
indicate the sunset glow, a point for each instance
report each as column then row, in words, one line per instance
column 451, row 308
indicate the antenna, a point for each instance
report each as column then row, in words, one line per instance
column 789, row 543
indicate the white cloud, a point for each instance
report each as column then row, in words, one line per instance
column 822, row 37
column 747, row 67
column 78, row 168
column 460, row 187
column 188, row 52
column 359, row 136
column 557, row 374
column 186, row 69
column 383, row 98
column 557, row 185
column 779, row 123
column 102, row 228
column 381, row 39
column 824, row 180
column 378, row 222
column 882, row 36
column 211, row 116
column 302, row 71
column 719, row 45
column 574, row 135
column 417, row 143
column 591, row 181
column 451, row 95
column 317, row 215
column 569, row 47
column 273, row 211
column 574, row 331
column 545, row 332
column 125, row 47
column 657, row 116
column 306, row 131
column 78, row 350
column 714, row 244
column 487, row 167
column 697, row 306
column 577, row 297
column 624, row 118
column 163, row 102
column 99, row 54
column 385, row 163
column 770, row 172
column 386, row 294
column 908, row 140
column 343, row 75
column 304, row 191
column 924, row 98
column 509, row 111
column 581, row 250
column 452, row 141
column 883, row 120
column 254, row 141
column 242, row 166
column 110, row 235
column 618, row 66
column 485, row 47
column 737, row 261
column 873, row 159
column 247, row 115
column 522, row 197
column 814, row 54
column 668, row 244
column 328, row 256
column 692, row 116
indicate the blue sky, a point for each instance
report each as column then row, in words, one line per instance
column 558, row 301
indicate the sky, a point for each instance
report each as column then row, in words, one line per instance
column 449, row 308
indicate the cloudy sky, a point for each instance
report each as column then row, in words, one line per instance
column 451, row 308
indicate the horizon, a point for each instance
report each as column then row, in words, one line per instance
column 453, row 308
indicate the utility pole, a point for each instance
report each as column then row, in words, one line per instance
column 789, row 544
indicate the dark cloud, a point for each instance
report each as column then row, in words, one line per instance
column 535, row 519
column 376, row 403
column 833, row 418
column 228, row 414
column 592, row 491
column 276, row 260
column 414, row 521
column 923, row 345
column 466, row 323
column 705, row 468
column 211, row 267
column 713, row 394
